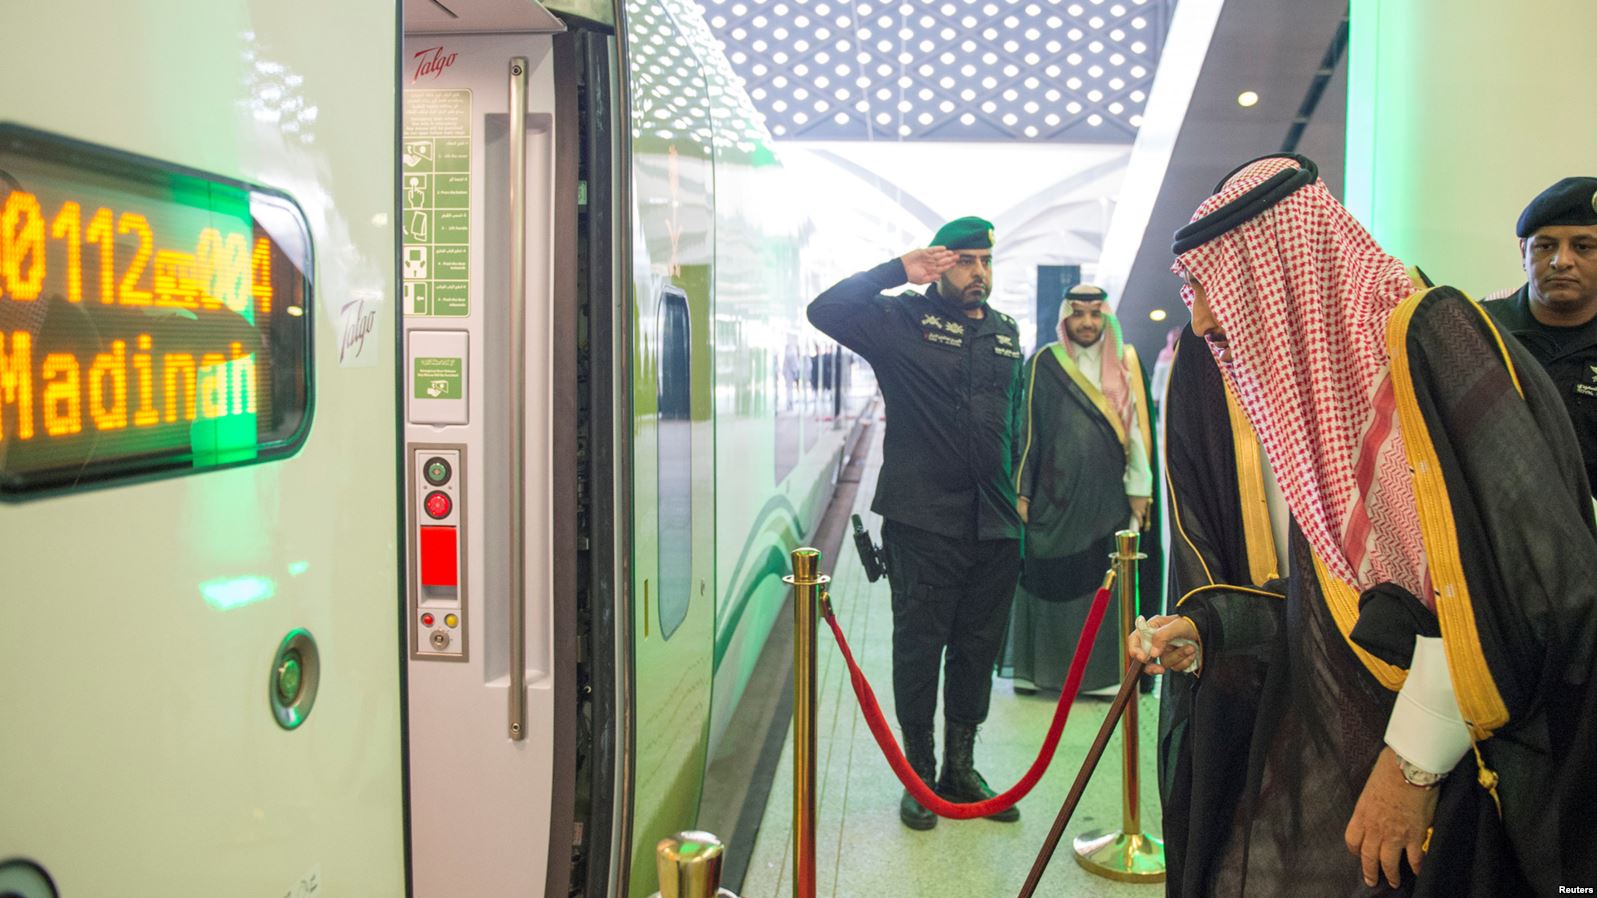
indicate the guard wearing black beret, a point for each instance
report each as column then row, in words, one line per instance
column 949, row 369
column 1555, row 313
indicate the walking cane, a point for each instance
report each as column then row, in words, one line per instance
column 1127, row 693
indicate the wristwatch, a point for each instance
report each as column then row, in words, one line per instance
column 1414, row 776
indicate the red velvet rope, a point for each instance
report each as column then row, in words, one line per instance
column 895, row 755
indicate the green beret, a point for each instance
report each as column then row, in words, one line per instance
column 1086, row 293
column 969, row 232
column 1572, row 201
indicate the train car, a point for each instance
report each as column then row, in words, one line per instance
column 202, row 695
column 397, row 479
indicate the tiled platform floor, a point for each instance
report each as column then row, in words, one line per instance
column 864, row 851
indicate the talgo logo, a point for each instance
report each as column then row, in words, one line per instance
column 431, row 61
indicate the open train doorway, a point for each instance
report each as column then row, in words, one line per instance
column 596, row 520
column 489, row 274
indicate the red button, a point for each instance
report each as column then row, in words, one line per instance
column 426, row 620
column 438, row 505
column 439, row 557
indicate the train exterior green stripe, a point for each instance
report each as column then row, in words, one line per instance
column 718, row 502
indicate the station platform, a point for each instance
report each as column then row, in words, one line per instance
column 862, row 849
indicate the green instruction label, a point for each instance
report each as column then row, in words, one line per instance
column 435, row 207
column 438, row 378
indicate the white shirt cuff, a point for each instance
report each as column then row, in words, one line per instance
column 1426, row 728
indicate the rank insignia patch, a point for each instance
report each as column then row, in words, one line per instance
column 942, row 324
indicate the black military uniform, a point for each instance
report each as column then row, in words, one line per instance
column 1569, row 354
column 947, row 493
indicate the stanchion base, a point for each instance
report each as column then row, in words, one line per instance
column 1117, row 855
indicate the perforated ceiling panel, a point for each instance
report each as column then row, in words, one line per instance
column 670, row 46
column 969, row 70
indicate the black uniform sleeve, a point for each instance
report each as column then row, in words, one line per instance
column 853, row 312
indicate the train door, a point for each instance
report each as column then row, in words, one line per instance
column 672, row 278
column 489, row 452
column 200, row 678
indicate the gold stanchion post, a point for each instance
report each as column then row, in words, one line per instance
column 1129, row 854
column 689, row 865
column 809, row 594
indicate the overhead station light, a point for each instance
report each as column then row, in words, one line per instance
column 1247, row 98
column 1156, row 315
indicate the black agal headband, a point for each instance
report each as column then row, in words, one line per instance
column 1247, row 206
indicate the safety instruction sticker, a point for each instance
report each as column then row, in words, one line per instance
column 435, row 203
column 437, row 378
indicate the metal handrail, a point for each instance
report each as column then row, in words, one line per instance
column 518, row 398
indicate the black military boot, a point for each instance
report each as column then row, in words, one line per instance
column 960, row 782
column 921, row 749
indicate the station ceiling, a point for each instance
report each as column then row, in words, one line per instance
column 956, row 70
column 1290, row 55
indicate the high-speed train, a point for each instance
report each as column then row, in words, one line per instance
column 396, row 468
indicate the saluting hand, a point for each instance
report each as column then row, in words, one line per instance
column 922, row 266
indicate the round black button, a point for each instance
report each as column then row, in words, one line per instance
column 436, row 471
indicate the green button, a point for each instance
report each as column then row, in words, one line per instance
column 288, row 679
column 437, row 471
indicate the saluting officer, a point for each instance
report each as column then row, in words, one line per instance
column 949, row 369
column 1555, row 313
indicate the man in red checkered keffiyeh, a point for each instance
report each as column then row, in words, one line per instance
column 1302, row 295
column 1441, row 575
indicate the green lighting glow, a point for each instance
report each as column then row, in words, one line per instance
column 298, row 567
column 228, row 593
column 1438, row 168
column 225, row 432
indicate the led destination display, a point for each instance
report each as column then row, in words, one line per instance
column 153, row 320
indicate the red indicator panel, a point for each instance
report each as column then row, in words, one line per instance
column 439, row 557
